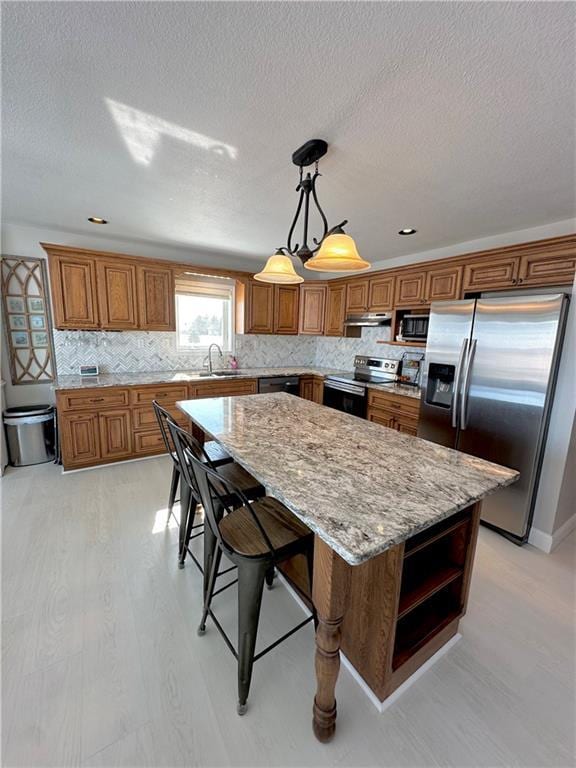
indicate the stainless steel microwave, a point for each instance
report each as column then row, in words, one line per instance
column 414, row 327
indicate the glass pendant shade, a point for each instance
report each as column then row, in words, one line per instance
column 279, row 269
column 337, row 253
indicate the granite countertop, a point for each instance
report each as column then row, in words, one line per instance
column 175, row 377
column 359, row 486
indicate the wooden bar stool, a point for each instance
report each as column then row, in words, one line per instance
column 231, row 471
column 256, row 536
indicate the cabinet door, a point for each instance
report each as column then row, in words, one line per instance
column 260, row 308
column 74, row 298
column 357, row 297
column 384, row 418
column 115, row 434
column 156, row 299
column 556, row 268
column 117, row 295
column 407, row 427
column 286, row 309
column 335, row 310
column 306, row 390
column 443, row 284
column 410, row 289
column 381, row 294
column 80, row 439
column 318, row 390
column 312, row 304
column 490, row 273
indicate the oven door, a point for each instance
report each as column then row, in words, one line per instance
column 345, row 397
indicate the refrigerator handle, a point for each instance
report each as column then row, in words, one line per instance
column 457, row 378
column 466, row 387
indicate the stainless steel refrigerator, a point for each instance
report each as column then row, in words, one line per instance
column 487, row 389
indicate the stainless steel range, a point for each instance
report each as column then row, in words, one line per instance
column 348, row 392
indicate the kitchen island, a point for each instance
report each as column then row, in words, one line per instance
column 395, row 518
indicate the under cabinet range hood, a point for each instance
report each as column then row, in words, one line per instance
column 368, row 320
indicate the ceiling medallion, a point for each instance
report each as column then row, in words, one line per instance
column 334, row 251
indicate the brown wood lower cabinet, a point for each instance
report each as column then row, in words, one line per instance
column 312, row 388
column 394, row 411
column 405, row 604
column 101, row 425
column 80, row 439
column 115, row 434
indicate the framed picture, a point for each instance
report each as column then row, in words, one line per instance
column 39, row 339
column 37, row 322
column 27, row 319
column 20, row 339
column 15, row 304
column 35, row 304
column 17, row 322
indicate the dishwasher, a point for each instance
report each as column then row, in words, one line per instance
column 290, row 384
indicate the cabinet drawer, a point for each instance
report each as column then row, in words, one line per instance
column 224, row 388
column 144, row 417
column 149, row 441
column 168, row 393
column 382, row 417
column 395, row 403
column 79, row 399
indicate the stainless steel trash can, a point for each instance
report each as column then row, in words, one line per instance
column 30, row 434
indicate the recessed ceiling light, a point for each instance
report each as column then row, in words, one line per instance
column 97, row 220
column 407, row 231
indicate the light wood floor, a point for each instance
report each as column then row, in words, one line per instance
column 102, row 665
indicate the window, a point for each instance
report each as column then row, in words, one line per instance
column 204, row 313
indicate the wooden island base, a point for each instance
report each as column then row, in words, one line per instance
column 390, row 614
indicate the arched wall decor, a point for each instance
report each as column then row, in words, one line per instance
column 27, row 320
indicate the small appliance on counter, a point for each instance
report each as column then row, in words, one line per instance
column 411, row 368
column 348, row 393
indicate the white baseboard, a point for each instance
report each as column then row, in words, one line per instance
column 381, row 706
column 547, row 542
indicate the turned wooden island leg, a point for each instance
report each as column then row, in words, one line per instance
column 330, row 596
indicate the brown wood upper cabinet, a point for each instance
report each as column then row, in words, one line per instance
column 117, row 295
column 271, row 308
column 74, row 296
column 443, row 284
column 286, row 309
column 335, row 310
column 156, row 298
column 259, row 307
column 357, row 297
column 554, row 268
column 113, row 293
column 312, row 307
column 491, row 273
column 381, row 294
column 410, row 289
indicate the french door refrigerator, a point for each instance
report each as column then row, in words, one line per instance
column 487, row 390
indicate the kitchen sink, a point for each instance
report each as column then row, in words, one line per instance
column 218, row 374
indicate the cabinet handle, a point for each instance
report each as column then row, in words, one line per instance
column 519, row 279
column 514, row 281
column 97, row 399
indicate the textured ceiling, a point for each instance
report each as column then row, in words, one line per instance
column 176, row 121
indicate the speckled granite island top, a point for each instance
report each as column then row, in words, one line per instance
column 361, row 487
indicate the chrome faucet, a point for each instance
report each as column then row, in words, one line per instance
column 210, row 355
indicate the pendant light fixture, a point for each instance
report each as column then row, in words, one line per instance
column 334, row 251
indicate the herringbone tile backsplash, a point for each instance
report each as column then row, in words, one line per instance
column 131, row 351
